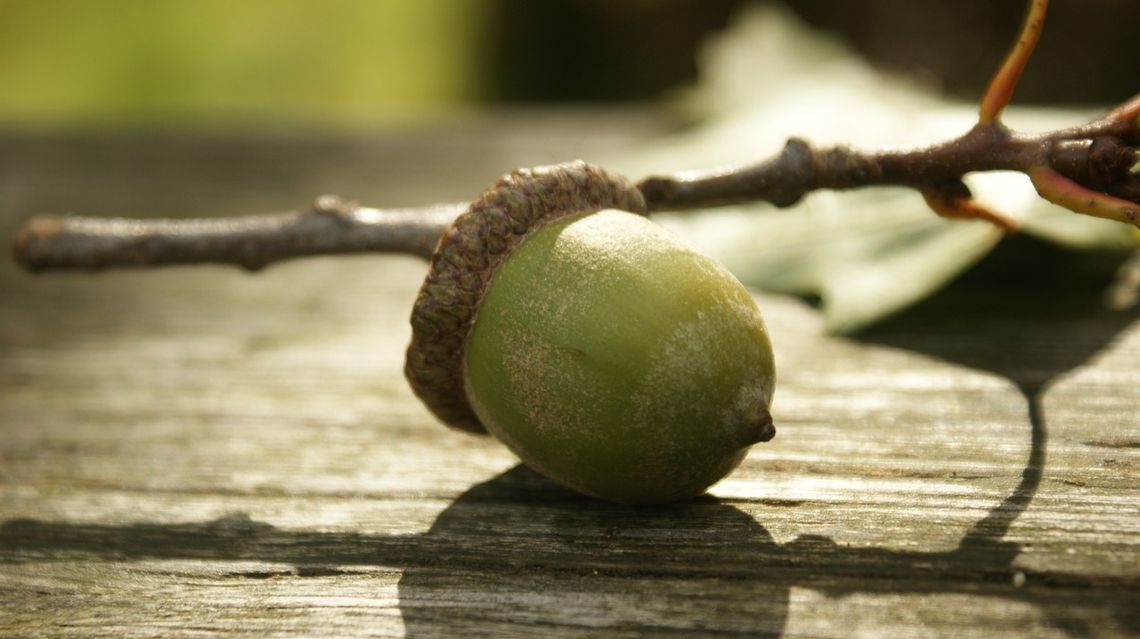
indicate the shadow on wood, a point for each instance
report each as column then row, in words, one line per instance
column 1006, row 317
column 1009, row 313
column 518, row 553
column 542, row 556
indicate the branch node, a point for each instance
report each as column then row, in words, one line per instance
column 332, row 205
column 1103, row 161
column 799, row 174
column 1110, row 160
column 953, row 200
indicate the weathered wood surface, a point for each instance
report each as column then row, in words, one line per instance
column 198, row 452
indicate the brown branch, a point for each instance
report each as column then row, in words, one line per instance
column 1095, row 154
column 251, row 242
column 1088, row 169
column 1092, row 159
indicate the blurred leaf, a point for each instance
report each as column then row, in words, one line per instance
column 867, row 253
column 179, row 62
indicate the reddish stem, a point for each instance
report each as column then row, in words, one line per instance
column 1000, row 90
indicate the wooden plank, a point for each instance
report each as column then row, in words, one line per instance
column 199, row 452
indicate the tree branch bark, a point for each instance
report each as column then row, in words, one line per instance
column 329, row 227
column 1088, row 169
column 1067, row 166
column 1098, row 154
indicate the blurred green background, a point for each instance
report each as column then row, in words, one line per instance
column 229, row 63
column 217, row 61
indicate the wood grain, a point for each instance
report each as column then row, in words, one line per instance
column 199, row 452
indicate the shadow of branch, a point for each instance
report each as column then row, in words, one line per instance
column 518, row 550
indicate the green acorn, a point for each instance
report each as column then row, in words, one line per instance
column 591, row 341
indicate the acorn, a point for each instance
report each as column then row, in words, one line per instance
column 591, row 341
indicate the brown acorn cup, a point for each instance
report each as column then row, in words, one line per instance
column 467, row 256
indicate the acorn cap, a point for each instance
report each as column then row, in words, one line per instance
column 465, row 260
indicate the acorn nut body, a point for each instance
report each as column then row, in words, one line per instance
column 602, row 351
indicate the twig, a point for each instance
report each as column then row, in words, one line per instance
column 1000, row 89
column 251, row 242
column 1066, row 167
column 1088, row 169
column 1094, row 153
column 1085, row 169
